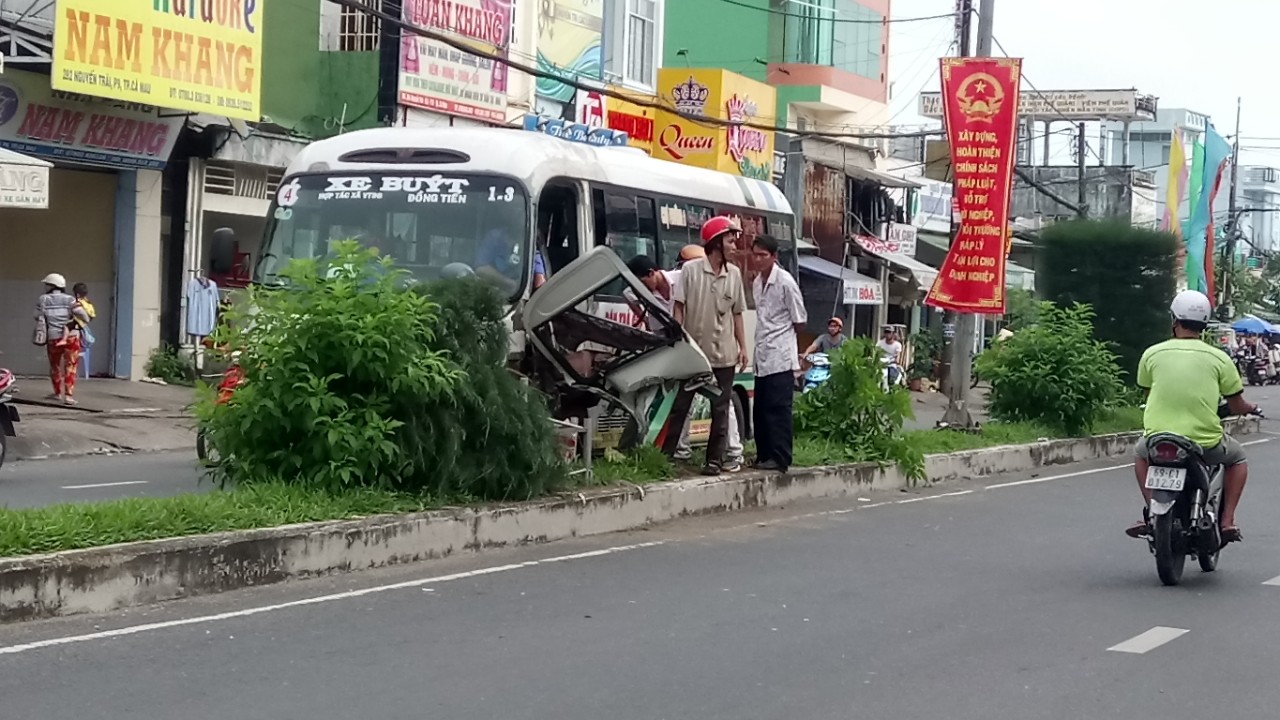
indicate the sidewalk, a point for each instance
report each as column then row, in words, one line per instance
column 112, row 416
column 931, row 406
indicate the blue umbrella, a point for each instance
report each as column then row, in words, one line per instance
column 1251, row 325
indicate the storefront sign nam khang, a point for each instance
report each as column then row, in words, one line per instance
column 35, row 120
column 198, row 55
column 980, row 97
column 731, row 145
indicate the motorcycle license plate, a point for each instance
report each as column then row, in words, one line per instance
column 1166, row 478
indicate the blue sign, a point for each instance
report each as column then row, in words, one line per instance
column 574, row 132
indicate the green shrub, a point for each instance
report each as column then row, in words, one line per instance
column 852, row 411
column 167, row 364
column 352, row 381
column 1053, row 373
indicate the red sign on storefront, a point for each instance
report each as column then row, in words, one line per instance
column 980, row 109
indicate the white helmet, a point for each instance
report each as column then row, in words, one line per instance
column 1192, row 306
column 56, row 280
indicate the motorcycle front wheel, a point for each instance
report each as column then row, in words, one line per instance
column 1171, row 556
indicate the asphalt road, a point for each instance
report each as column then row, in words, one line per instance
column 1008, row 600
column 35, row 483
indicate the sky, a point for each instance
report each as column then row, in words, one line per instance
column 1095, row 44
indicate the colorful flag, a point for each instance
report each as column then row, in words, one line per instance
column 1217, row 151
column 980, row 109
column 1197, row 173
column 1177, row 172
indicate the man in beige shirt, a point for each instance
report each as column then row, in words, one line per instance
column 709, row 302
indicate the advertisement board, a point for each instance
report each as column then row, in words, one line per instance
column 715, row 93
column 55, row 125
column 981, row 102
column 198, row 56
column 597, row 110
column 23, row 185
column 437, row 77
column 569, row 44
column 1065, row 105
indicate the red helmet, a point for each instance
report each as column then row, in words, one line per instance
column 717, row 226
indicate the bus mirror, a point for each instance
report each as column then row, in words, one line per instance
column 222, row 252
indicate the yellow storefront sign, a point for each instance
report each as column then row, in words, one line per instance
column 596, row 109
column 722, row 95
column 197, row 55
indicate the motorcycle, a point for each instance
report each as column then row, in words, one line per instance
column 819, row 371
column 8, row 413
column 1257, row 371
column 231, row 380
column 893, row 376
column 1185, row 509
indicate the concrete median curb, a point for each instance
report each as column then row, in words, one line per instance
column 108, row 578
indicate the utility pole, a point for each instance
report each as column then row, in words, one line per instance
column 1082, row 185
column 964, row 18
column 961, row 375
column 1233, row 229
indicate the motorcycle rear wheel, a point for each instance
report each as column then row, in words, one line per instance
column 1171, row 556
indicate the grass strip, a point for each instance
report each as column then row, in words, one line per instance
column 265, row 505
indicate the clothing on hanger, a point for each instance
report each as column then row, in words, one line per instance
column 202, row 306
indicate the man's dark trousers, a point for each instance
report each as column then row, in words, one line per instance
column 771, row 418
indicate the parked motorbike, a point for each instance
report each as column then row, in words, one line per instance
column 231, row 380
column 1186, row 503
column 819, row 371
column 8, row 413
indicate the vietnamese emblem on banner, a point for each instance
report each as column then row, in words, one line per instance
column 980, row 110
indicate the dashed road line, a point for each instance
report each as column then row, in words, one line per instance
column 1149, row 640
column 104, row 485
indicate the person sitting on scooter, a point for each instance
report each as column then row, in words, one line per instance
column 1184, row 378
column 826, row 343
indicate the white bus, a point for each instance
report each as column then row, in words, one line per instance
column 489, row 199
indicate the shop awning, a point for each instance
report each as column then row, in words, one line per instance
column 858, row 289
column 923, row 274
column 24, row 181
column 880, row 178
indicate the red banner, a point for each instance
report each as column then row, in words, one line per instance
column 980, row 109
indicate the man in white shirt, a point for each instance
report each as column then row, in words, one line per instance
column 663, row 284
column 889, row 345
column 779, row 312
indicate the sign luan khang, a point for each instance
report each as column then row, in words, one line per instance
column 717, row 94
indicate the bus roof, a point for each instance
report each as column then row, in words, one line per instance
column 536, row 159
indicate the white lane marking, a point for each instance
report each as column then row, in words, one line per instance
column 248, row 612
column 102, row 485
column 930, row 497
column 1064, row 476
column 1257, row 442
column 1273, row 582
column 1149, row 640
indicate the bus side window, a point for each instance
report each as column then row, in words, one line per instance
column 558, row 225
column 628, row 225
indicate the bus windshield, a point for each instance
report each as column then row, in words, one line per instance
column 426, row 222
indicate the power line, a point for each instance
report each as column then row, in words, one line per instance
column 461, row 46
column 1049, row 102
column 882, row 21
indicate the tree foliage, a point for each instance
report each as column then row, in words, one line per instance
column 1126, row 274
column 1054, row 372
column 351, row 380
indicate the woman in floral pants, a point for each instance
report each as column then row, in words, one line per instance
column 62, row 317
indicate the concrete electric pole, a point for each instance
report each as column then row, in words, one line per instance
column 961, row 375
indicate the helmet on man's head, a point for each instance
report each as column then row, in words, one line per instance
column 717, row 227
column 55, row 280
column 692, row 252
column 1191, row 306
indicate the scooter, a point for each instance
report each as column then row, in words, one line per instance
column 231, row 380
column 893, row 376
column 8, row 413
column 819, row 371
